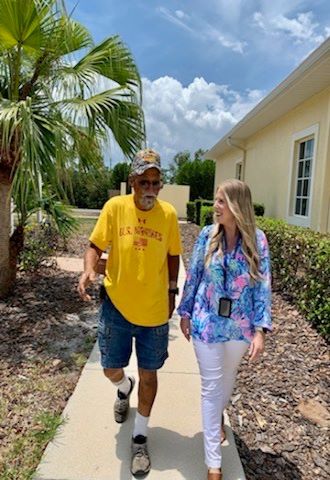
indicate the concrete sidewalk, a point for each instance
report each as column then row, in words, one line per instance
column 91, row 446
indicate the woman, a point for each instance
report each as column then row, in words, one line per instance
column 225, row 305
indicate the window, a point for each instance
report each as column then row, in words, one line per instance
column 305, row 150
column 239, row 171
column 301, row 178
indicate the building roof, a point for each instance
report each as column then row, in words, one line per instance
column 309, row 78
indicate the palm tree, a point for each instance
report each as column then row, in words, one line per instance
column 54, row 108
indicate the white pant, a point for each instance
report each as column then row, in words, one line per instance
column 218, row 364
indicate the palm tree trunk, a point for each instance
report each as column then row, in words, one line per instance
column 7, row 262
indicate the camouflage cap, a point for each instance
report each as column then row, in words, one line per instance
column 145, row 159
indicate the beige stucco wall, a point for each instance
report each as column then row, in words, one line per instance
column 269, row 161
column 177, row 195
column 226, row 166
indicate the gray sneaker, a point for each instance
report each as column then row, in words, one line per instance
column 121, row 406
column 140, row 463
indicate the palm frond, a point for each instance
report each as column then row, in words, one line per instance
column 111, row 59
column 126, row 122
column 72, row 36
column 20, row 24
column 50, row 128
column 60, row 214
column 9, row 122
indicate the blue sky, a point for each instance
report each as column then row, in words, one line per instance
column 205, row 64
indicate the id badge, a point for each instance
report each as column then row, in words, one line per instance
column 224, row 307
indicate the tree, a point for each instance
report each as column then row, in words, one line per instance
column 90, row 189
column 26, row 204
column 120, row 174
column 52, row 108
column 178, row 161
column 198, row 174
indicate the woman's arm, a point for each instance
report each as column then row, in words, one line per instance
column 261, row 299
column 262, row 287
column 194, row 275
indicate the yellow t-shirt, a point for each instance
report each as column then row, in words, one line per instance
column 136, row 270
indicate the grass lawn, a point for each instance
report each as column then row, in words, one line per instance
column 86, row 225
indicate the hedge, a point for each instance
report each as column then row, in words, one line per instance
column 206, row 216
column 194, row 211
column 199, row 203
column 259, row 209
column 191, row 211
column 301, row 269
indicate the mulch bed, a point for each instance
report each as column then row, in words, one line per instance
column 47, row 333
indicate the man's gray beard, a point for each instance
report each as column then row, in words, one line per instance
column 148, row 203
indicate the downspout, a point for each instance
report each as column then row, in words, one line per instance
column 231, row 144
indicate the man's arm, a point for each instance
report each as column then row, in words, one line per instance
column 173, row 262
column 91, row 258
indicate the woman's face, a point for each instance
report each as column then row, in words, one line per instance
column 222, row 213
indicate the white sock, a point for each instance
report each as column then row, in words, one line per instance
column 124, row 385
column 140, row 425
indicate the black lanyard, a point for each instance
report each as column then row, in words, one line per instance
column 225, row 261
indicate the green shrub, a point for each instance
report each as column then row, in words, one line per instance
column 39, row 244
column 198, row 205
column 301, row 269
column 206, row 215
column 190, row 211
column 259, row 209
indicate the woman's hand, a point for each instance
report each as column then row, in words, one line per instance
column 185, row 327
column 257, row 346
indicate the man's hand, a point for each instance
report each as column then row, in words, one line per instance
column 171, row 304
column 85, row 280
column 91, row 259
column 257, row 346
column 185, row 327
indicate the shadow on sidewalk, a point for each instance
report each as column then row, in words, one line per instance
column 265, row 466
column 169, row 451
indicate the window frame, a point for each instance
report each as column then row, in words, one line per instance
column 297, row 139
column 237, row 164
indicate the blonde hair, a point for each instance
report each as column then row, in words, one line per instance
column 239, row 201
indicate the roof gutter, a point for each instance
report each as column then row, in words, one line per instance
column 235, row 145
column 315, row 57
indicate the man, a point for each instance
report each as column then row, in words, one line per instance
column 141, row 283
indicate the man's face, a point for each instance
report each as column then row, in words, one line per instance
column 146, row 188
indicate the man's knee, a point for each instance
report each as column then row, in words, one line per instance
column 148, row 378
column 114, row 374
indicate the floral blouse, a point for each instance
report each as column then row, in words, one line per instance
column 204, row 286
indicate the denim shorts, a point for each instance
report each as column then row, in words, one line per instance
column 115, row 336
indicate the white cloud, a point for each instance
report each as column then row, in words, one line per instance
column 235, row 46
column 202, row 29
column 180, row 14
column 258, row 17
column 300, row 28
column 196, row 116
column 174, row 18
column 215, row 34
